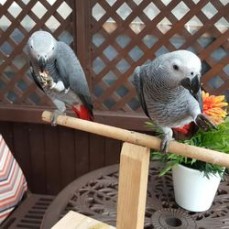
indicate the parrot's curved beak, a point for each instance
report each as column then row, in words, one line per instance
column 193, row 85
column 42, row 63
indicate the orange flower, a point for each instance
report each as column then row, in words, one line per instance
column 214, row 107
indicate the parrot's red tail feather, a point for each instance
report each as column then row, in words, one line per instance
column 82, row 112
column 184, row 130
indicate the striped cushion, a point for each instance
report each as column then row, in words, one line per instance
column 12, row 181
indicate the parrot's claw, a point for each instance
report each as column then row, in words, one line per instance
column 204, row 123
column 55, row 114
column 168, row 136
column 164, row 146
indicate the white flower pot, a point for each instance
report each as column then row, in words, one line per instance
column 194, row 191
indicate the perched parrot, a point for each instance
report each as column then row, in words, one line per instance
column 169, row 91
column 57, row 71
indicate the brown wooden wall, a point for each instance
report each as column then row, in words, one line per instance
column 51, row 157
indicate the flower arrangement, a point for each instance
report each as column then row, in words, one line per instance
column 215, row 107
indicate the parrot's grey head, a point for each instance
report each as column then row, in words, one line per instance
column 41, row 48
column 182, row 66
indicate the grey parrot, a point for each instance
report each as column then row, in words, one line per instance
column 169, row 91
column 57, row 72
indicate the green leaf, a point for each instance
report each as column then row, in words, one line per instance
column 215, row 139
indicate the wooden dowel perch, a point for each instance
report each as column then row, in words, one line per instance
column 198, row 153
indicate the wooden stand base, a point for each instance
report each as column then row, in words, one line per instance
column 133, row 178
column 74, row 220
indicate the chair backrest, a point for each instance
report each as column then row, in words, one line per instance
column 13, row 184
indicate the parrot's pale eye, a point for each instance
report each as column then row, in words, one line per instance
column 52, row 48
column 175, row 67
column 31, row 46
column 192, row 73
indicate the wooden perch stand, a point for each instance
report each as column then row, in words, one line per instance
column 132, row 190
column 151, row 142
column 133, row 171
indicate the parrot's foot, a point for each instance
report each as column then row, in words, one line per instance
column 55, row 114
column 45, row 79
column 204, row 123
column 168, row 133
column 164, row 145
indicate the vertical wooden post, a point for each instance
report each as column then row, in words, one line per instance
column 82, row 9
column 133, row 179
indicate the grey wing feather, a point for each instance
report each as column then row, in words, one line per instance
column 72, row 74
column 139, row 88
column 61, row 71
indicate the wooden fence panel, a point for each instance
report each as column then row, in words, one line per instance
column 18, row 21
column 52, row 157
column 126, row 34
column 38, row 159
column 67, row 155
column 82, row 153
column 111, row 38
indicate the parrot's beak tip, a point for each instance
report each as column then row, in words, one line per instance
column 42, row 63
column 191, row 84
